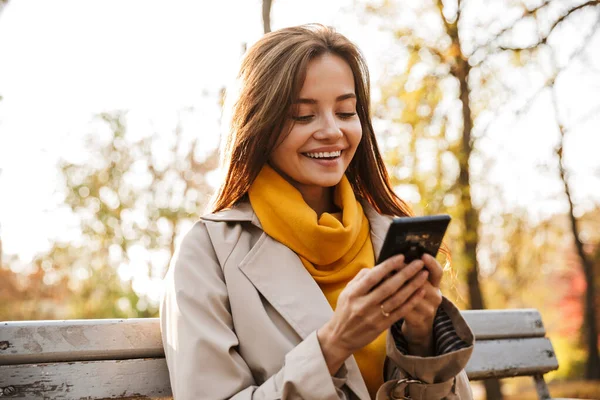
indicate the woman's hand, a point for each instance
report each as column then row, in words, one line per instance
column 418, row 322
column 366, row 308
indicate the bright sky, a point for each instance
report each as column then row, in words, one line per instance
column 63, row 61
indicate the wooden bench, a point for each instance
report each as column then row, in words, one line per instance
column 117, row 359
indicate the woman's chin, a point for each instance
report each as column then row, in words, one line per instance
column 325, row 180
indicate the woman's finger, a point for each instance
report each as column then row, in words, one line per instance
column 392, row 284
column 405, row 292
column 432, row 299
column 433, row 294
column 376, row 274
column 407, row 306
column 423, row 311
column 435, row 269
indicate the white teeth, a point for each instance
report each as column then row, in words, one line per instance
column 324, row 154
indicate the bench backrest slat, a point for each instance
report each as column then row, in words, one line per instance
column 110, row 339
column 89, row 380
column 79, row 340
column 511, row 357
column 501, row 324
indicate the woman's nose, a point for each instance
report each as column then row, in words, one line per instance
column 329, row 129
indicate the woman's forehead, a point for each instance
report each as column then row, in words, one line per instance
column 328, row 75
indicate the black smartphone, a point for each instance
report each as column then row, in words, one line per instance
column 414, row 236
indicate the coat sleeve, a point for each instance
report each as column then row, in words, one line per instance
column 201, row 345
column 438, row 377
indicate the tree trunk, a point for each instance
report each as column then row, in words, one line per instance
column 1, row 263
column 461, row 70
column 266, row 15
column 592, row 365
column 471, row 215
column 493, row 388
column 590, row 329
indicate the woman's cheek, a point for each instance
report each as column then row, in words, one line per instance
column 357, row 133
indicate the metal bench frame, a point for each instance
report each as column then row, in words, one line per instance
column 99, row 359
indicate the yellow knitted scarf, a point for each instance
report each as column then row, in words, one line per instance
column 333, row 247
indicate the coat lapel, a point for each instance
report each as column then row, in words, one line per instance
column 278, row 274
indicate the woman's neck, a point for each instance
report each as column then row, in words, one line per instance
column 320, row 199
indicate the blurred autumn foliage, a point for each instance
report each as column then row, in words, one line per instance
column 129, row 206
column 461, row 71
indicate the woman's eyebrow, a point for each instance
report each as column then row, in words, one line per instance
column 339, row 98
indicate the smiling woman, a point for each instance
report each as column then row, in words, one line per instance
column 323, row 132
column 276, row 294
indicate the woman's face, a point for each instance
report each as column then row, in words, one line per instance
column 325, row 129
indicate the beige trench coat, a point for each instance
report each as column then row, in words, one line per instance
column 239, row 317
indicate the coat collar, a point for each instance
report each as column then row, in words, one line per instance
column 243, row 212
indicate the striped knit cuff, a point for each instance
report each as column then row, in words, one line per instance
column 446, row 338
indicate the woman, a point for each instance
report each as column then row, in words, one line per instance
column 276, row 295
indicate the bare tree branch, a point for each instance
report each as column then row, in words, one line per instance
column 544, row 38
column 510, row 26
column 579, row 51
column 528, row 103
column 491, row 46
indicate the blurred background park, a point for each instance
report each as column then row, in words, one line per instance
column 489, row 110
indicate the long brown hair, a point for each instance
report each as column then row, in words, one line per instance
column 272, row 75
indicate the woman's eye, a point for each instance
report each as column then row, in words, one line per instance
column 303, row 118
column 346, row 115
